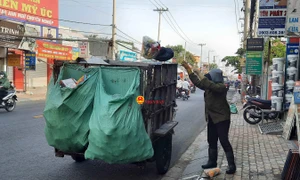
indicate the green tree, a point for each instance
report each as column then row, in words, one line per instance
column 235, row 61
column 278, row 49
column 179, row 54
column 213, row 66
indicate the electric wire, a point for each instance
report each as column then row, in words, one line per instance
column 175, row 21
column 21, row 37
column 90, row 7
column 171, row 23
column 88, row 32
column 59, row 19
column 128, row 48
column 125, row 38
column 236, row 16
column 129, row 36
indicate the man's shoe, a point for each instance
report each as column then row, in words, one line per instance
column 231, row 164
column 212, row 159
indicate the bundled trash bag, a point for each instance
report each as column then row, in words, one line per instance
column 152, row 50
column 233, row 109
column 117, row 131
column 68, row 110
column 164, row 54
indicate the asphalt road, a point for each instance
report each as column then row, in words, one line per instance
column 25, row 154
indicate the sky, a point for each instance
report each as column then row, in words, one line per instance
column 212, row 22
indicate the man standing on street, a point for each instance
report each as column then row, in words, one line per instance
column 217, row 112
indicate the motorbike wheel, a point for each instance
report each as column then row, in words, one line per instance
column 10, row 105
column 252, row 115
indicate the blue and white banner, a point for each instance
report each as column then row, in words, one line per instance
column 272, row 18
column 293, row 16
column 127, row 56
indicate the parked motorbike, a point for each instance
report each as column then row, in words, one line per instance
column 251, row 89
column 256, row 109
column 9, row 101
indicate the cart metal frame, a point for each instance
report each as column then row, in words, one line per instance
column 157, row 82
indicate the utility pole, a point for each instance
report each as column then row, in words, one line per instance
column 160, row 11
column 247, row 6
column 246, row 21
column 215, row 58
column 256, row 19
column 201, row 57
column 184, row 56
column 208, row 59
column 113, row 31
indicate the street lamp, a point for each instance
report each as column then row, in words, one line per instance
column 201, row 59
column 208, row 58
column 215, row 58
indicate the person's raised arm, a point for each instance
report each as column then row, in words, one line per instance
column 200, row 81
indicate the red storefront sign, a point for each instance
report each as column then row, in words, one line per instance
column 53, row 51
column 41, row 12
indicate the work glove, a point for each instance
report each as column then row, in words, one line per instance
column 198, row 73
column 187, row 67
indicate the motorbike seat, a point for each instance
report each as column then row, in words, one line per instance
column 267, row 102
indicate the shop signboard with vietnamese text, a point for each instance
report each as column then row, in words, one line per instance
column 255, row 44
column 272, row 18
column 30, row 61
column 254, row 63
column 11, row 34
column 41, row 12
column 53, row 51
column 292, row 18
column 127, row 56
column 13, row 60
column 75, row 53
column 83, row 49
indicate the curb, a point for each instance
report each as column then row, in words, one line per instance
column 30, row 99
column 185, row 166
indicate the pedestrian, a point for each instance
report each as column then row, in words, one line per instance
column 217, row 113
column 236, row 85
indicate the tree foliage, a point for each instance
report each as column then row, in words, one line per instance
column 179, row 54
column 213, row 66
column 278, row 49
column 235, row 61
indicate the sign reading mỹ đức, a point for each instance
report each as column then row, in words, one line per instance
column 42, row 12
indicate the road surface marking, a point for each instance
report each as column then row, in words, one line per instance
column 37, row 117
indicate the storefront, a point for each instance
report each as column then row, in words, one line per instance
column 23, row 25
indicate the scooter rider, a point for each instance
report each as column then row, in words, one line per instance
column 186, row 87
column 4, row 85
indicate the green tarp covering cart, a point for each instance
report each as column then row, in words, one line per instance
column 120, row 112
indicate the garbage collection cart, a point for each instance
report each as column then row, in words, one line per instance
column 158, row 102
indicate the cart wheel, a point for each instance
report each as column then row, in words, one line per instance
column 163, row 152
column 78, row 158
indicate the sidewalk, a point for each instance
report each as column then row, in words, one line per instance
column 257, row 156
column 32, row 94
